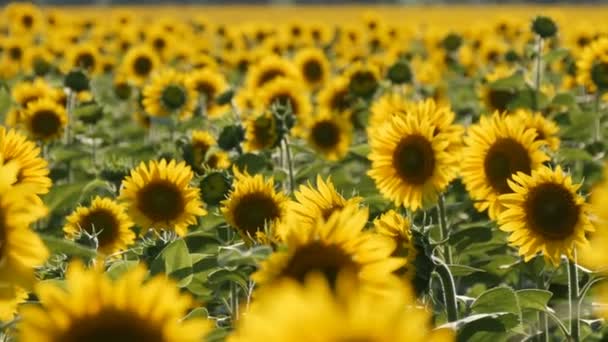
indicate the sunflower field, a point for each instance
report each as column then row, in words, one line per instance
column 385, row 174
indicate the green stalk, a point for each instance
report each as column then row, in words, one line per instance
column 449, row 289
column 597, row 132
column 539, row 51
column 289, row 164
column 573, row 300
column 234, row 301
column 444, row 230
column 542, row 317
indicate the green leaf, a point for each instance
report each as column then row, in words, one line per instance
column 233, row 256
column 499, row 299
column 555, row 55
column 5, row 101
column 463, row 270
column 63, row 196
column 473, row 327
column 574, row 154
column 253, row 163
column 60, row 245
column 117, row 269
column 362, row 150
column 462, row 239
column 221, row 276
column 200, row 313
column 61, row 154
column 177, row 262
column 564, row 99
column 514, row 81
column 534, row 299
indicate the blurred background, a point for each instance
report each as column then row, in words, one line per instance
column 304, row 2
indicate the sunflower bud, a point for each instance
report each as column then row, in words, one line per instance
column 231, row 137
column 451, row 42
column 544, row 27
column 215, row 186
column 599, row 75
column 225, row 97
column 400, row 72
column 77, row 81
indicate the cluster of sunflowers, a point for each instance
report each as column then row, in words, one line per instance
column 179, row 179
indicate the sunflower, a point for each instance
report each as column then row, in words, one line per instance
column 546, row 129
column 85, row 56
column 334, row 96
column 139, row 63
column 594, row 255
column 497, row 99
column 592, row 66
column 38, row 60
column 21, row 249
column 9, row 300
column 313, row 67
column 209, row 84
column 385, row 106
column 24, row 18
column 411, row 162
column 261, row 132
column 159, row 196
column 160, row 41
column 253, row 205
column 288, row 93
column 318, row 202
column 267, row 69
column 202, row 141
column 32, row 169
column 544, row 214
column 330, row 135
column 398, row 228
column 317, row 311
column 13, row 55
column 217, row 160
column 496, row 148
column 92, row 307
column 25, row 92
column 168, row 93
column 106, row 220
column 44, row 119
column 331, row 246
column 363, row 79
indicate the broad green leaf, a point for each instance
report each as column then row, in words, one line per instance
column 361, row 150
column 60, row 245
column 197, row 313
column 574, row 154
column 533, row 299
column 462, row 239
column 555, row 55
column 234, row 256
column 252, row 163
column 499, row 299
column 514, row 81
column 63, row 196
column 463, row 270
column 118, row 268
column 564, row 99
column 474, row 326
column 221, row 276
column 177, row 262
column 5, row 101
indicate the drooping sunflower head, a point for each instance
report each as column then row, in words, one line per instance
column 139, row 63
column 25, row 92
column 287, row 93
column 168, row 93
column 84, row 56
column 397, row 227
column 209, row 84
column 202, row 142
column 32, row 169
column 44, row 119
column 544, row 214
column 254, row 205
column 363, row 79
column 546, row 129
column 495, row 149
column 329, row 135
column 410, row 162
column 105, row 219
column 159, row 196
column 592, row 66
column 95, row 308
column 313, row 67
column 269, row 68
column 334, row 97
column 330, row 247
column 261, row 132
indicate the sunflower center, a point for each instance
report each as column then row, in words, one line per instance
column 551, row 211
column 269, row 75
column 499, row 98
column 339, row 101
column 326, row 134
column 505, row 158
column 45, row 123
column 142, row 65
column 253, row 211
column 414, row 159
column 328, row 259
column 363, row 83
column 312, row 71
column 159, row 44
column 85, row 61
column 27, row 21
column 15, row 52
column 103, row 223
column 112, row 325
column 161, row 201
column 173, row 97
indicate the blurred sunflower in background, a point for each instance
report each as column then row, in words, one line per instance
column 25, row 92
column 84, row 56
column 546, row 129
column 139, row 63
column 334, row 97
column 289, row 94
column 592, row 66
column 313, row 66
column 398, row 228
column 329, row 135
column 209, row 84
column 167, row 94
column 202, row 142
column 261, row 132
column 44, row 119
column 269, row 68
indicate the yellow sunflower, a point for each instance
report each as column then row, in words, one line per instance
column 21, row 249
column 38, row 60
column 253, row 205
column 289, row 93
column 202, row 141
column 92, row 307
column 496, row 148
column 267, row 69
column 85, row 56
column 398, row 228
column 497, row 99
column 105, row 219
column 24, row 18
column 411, row 162
column 218, row 160
column 9, row 301
column 592, row 66
column 159, row 196
column 385, row 106
column 544, row 214
column 363, row 79
column 329, row 135
column 44, row 119
column 334, row 96
column 318, row 202
column 318, row 311
column 25, row 92
column 139, row 63
column 338, row 244
column 261, row 132
column 13, row 55
column 313, row 66
column 546, row 129
column 168, row 93
column 209, row 84
column 595, row 256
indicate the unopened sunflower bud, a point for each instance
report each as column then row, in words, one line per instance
column 544, row 27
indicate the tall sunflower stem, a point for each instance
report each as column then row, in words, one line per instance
column 542, row 317
column 449, row 289
column 234, row 301
column 444, row 229
column 537, row 81
column 573, row 296
column 70, row 105
column 289, row 164
column 93, row 145
column 597, row 132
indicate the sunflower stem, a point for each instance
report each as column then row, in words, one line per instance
column 289, row 164
column 597, row 132
column 573, row 299
column 444, row 230
column 93, row 145
column 537, row 81
column 70, row 105
column 542, row 317
column 234, row 301
column 449, row 289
